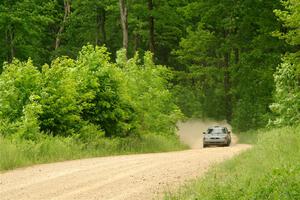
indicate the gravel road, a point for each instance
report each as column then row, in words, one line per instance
column 144, row 176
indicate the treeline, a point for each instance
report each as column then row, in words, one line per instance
column 287, row 77
column 87, row 97
column 224, row 54
column 44, row 30
column 229, row 58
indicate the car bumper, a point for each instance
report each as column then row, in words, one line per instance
column 215, row 141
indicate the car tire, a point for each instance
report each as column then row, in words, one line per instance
column 228, row 144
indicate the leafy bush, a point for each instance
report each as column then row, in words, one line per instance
column 106, row 103
column 59, row 98
column 147, row 88
column 64, row 110
column 287, row 94
column 18, row 81
column 88, row 94
column 287, row 78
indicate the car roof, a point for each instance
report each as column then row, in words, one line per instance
column 216, row 127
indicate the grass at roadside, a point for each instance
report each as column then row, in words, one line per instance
column 270, row 170
column 249, row 137
column 19, row 153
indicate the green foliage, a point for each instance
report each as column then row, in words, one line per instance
column 147, row 87
column 31, row 28
column 90, row 21
column 200, row 81
column 253, row 86
column 287, row 77
column 196, row 94
column 228, row 58
column 65, row 110
column 194, row 48
column 18, row 82
column 290, row 17
column 87, row 94
column 59, row 98
column 224, row 56
column 108, row 105
column 287, row 94
column 29, row 127
column 23, row 29
column 270, row 170
column 189, row 100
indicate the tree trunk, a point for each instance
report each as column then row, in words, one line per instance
column 101, row 32
column 237, row 55
column 124, row 22
column 227, row 86
column 10, row 40
column 151, row 27
column 136, row 42
column 67, row 8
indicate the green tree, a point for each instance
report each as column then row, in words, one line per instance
column 231, row 55
column 19, row 83
column 287, row 77
column 59, row 98
column 147, row 88
column 23, row 29
column 106, row 104
column 92, row 22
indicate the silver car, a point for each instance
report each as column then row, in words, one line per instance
column 217, row 135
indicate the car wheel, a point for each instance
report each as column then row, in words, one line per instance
column 228, row 144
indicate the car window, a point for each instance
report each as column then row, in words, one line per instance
column 216, row 131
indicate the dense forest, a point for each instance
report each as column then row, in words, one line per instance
column 121, row 68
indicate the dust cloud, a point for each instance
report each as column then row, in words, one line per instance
column 191, row 131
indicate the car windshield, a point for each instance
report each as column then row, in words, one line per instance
column 216, row 131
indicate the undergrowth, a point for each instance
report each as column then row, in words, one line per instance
column 16, row 152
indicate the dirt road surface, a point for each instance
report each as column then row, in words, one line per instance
column 132, row 177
